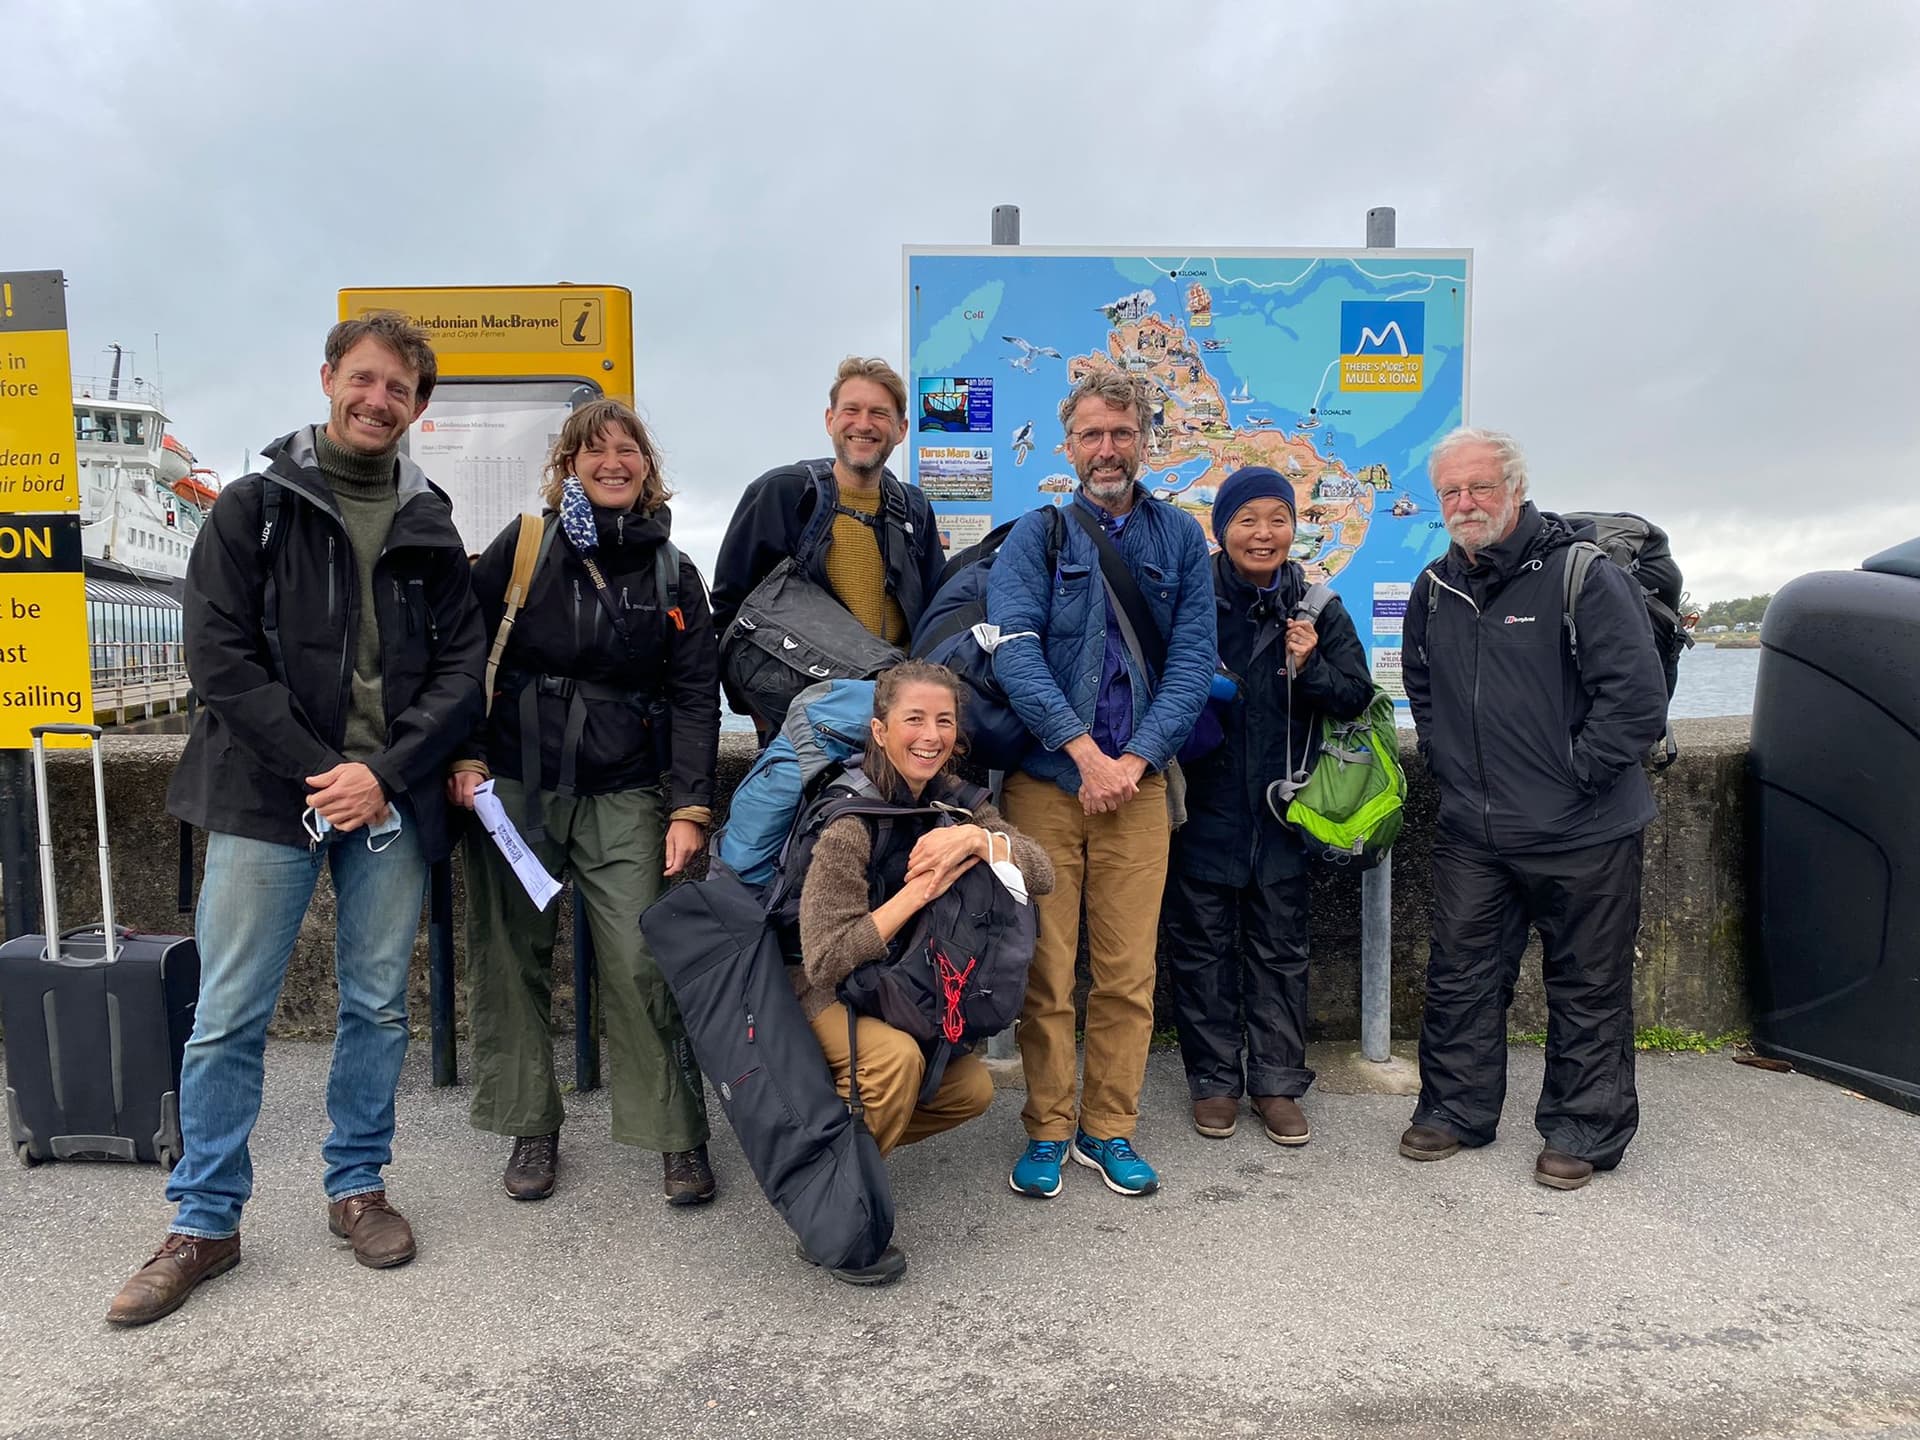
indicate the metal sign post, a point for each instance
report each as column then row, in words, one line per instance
column 1376, row 885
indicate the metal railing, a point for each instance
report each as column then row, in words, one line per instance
column 159, row 666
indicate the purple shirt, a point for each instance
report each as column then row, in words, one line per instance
column 1113, row 705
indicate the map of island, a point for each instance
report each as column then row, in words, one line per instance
column 1340, row 369
column 1197, row 442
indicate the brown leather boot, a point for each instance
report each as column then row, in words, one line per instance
column 1286, row 1122
column 1217, row 1116
column 1559, row 1171
column 533, row 1166
column 689, row 1178
column 161, row 1286
column 1425, row 1142
column 380, row 1235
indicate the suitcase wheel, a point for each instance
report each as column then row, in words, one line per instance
column 168, row 1157
column 23, row 1152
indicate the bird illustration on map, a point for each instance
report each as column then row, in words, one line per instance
column 1029, row 352
column 1023, row 443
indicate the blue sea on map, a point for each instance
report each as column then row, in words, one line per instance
column 1256, row 342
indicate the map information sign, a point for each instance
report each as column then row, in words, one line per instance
column 1338, row 368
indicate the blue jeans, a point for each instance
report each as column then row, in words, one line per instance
column 255, row 895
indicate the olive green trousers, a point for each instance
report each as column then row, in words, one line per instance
column 613, row 847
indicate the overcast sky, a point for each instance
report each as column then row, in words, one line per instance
column 1695, row 226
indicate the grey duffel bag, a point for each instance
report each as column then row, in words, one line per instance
column 790, row 633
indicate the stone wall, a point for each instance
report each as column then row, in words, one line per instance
column 1690, row 972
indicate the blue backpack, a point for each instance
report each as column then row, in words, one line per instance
column 826, row 728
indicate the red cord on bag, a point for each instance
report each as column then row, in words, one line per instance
column 953, row 986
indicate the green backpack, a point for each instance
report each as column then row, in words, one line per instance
column 1348, row 806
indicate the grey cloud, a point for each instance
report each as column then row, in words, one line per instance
column 1692, row 223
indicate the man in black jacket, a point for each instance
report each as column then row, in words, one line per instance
column 852, row 528
column 333, row 638
column 1534, row 734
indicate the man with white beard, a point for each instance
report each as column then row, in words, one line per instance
column 1534, row 735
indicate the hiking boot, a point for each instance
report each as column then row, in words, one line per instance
column 533, row 1166
column 1037, row 1171
column 1285, row 1121
column 379, row 1234
column 1217, row 1116
column 1124, row 1171
column 689, row 1178
column 891, row 1265
column 1560, row 1171
column 161, row 1286
column 1425, row 1142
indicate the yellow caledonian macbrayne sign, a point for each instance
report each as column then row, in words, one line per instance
column 43, row 592
column 528, row 332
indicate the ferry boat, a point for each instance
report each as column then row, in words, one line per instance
column 143, row 497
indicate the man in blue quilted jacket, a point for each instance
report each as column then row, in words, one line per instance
column 1109, row 707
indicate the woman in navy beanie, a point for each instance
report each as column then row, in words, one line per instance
column 1235, row 910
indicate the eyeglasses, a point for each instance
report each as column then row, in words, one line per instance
column 1124, row 439
column 1481, row 493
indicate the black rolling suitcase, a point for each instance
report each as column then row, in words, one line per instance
column 93, row 1039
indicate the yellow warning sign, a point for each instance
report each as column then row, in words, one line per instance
column 36, row 396
column 44, row 674
column 530, row 332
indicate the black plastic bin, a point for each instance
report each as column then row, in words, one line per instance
column 1835, row 797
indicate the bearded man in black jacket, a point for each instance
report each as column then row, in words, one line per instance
column 1534, row 734
column 333, row 638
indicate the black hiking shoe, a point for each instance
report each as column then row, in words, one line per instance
column 533, row 1166
column 689, row 1178
column 891, row 1265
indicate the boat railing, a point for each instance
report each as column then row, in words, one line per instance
column 134, row 391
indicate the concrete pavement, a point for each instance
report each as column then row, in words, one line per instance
column 1753, row 1269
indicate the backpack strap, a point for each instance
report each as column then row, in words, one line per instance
column 666, row 587
column 1319, row 595
column 528, row 549
column 1580, row 557
column 1137, row 626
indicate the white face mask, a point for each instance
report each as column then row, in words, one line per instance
column 385, row 831
column 1004, row 870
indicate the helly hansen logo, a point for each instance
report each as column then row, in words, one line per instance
column 1519, row 620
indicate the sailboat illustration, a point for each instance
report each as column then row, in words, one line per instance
column 1241, row 394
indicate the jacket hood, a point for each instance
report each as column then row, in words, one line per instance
column 294, row 461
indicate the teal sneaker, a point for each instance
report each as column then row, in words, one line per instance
column 1125, row 1172
column 1037, row 1171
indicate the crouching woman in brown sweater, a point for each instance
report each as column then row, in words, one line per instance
column 910, row 747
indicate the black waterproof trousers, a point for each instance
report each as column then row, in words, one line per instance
column 1239, row 958
column 1586, row 905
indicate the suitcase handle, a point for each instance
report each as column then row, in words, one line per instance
column 110, row 933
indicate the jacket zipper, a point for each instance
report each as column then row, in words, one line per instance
column 343, row 696
column 1479, row 757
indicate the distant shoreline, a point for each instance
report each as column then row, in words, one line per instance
column 1730, row 641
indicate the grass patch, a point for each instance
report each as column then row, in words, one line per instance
column 1656, row 1039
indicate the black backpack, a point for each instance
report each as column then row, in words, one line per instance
column 790, row 632
column 996, row 737
column 955, row 976
column 1642, row 549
